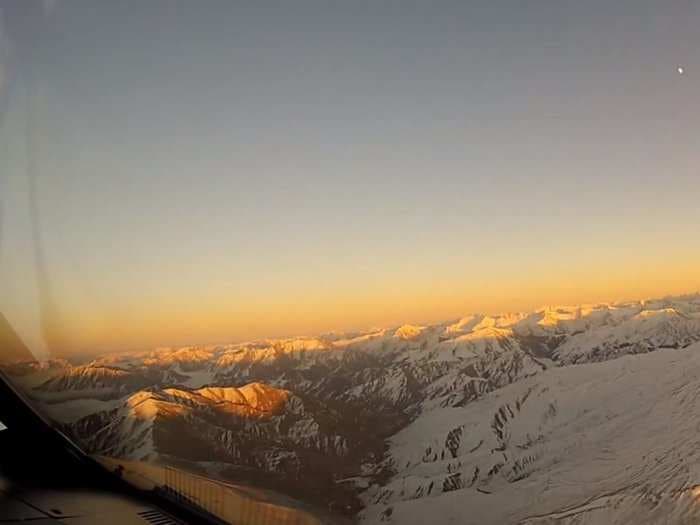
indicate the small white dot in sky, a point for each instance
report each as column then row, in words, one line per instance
column 681, row 70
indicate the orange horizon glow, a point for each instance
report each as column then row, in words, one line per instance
column 212, row 319
column 199, row 189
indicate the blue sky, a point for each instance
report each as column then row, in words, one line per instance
column 358, row 162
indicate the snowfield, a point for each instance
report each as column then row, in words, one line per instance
column 613, row 442
column 569, row 415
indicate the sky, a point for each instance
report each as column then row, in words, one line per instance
column 218, row 171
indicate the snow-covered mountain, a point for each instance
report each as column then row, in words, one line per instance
column 486, row 419
column 104, row 381
column 613, row 442
column 255, row 415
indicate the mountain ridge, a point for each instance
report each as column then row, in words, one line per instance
column 322, row 418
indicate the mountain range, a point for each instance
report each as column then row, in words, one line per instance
column 568, row 415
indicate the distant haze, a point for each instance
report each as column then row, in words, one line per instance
column 214, row 171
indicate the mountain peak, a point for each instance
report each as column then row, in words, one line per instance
column 408, row 332
column 257, row 396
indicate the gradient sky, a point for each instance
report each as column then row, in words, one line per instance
column 217, row 171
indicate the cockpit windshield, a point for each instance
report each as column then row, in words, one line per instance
column 385, row 262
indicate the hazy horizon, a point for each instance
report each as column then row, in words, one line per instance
column 80, row 355
column 226, row 172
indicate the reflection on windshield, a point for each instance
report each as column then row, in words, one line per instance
column 225, row 501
